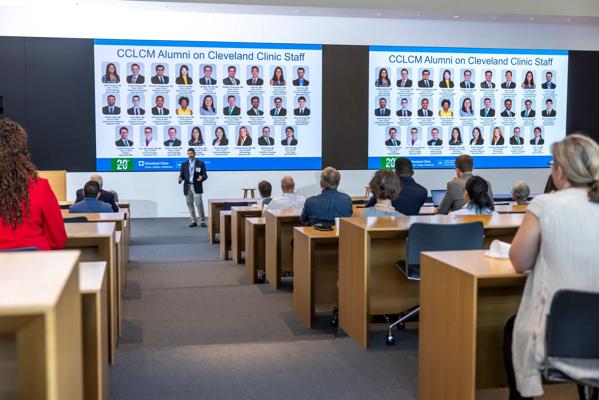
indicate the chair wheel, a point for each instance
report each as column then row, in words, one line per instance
column 334, row 322
column 401, row 326
column 390, row 341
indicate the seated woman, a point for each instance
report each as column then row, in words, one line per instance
column 520, row 193
column 385, row 187
column 557, row 243
column 476, row 196
column 29, row 212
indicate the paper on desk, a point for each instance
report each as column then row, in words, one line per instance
column 499, row 249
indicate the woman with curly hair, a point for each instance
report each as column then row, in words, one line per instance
column 29, row 212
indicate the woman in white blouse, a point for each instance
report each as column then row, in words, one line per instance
column 557, row 243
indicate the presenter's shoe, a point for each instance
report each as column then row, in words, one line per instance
column 203, row 224
column 193, row 224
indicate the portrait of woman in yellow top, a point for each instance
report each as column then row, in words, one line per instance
column 184, row 78
column 445, row 111
column 184, row 109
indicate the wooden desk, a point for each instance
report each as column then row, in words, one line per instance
column 40, row 307
column 225, row 234
column 126, row 205
column 370, row 284
column 94, row 319
column 120, row 275
column 465, row 299
column 254, row 248
column 511, row 209
column 279, row 251
column 238, row 216
column 315, row 264
column 427, row 210
column 96, row 242
column 214, row 208
column 58, row 182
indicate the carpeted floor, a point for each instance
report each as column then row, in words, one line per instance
column 195, row 329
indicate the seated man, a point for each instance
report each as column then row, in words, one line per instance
column 454, row 197
column 265, row 190
column 329, row 204
column 105, row 195
column 289, row 199
column 90, row 203
column 411, row 195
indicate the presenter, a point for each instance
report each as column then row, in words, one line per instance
column 537, row 139
column 277, row 77
column 497, row 138
column 414, row 139
column 159, row 108
column 435, row 141
column 548, row 84
column 508, row 84
column 208, row 106
column 160, row 78
column 393, row 140
column 135, row 77
column 425, row 82
column 172, row 140
column 516, row 139
column 301, row 107
column 184, row 78
column 232, row 108
column 508, row 113
column 424, row 111
column 184, row 106
column 111, row 108
column 446, row 82
column 196, row 137
column 278, row 110
column 477, row 137
column 488, row 111
column 124, row 140
column 529, row 81
column 220, row 137
column 290, row 139
column 528, row 112
column 231, row 80
column 301, row 81
column 265, row 139
column 456, row 137
column 207, row 78
column 382, row 111
column 110, row 75
column 488, row 82
column 193, row 173
column 549, row 111
column 244, row 138
column 467, row 82
column 466, row 110
column 136, row 109
column 445, row 111
column 383, row 79
column 404, row 82
column 404, row 111
column 255, row 110
column 255, row 80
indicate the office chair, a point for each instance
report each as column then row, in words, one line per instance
column 433, row 237
column 75, row 219
column 572, row 331
column 65, row 206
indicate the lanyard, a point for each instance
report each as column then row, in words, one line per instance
column 191, row 168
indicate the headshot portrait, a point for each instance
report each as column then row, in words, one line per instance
column 382, row 110
column 277, row 76
column 172, row 136
column 445, row 110
column 488, row 82
column 507, row 109
column 414, row 138
column 529, row 81
column 244, row 137
column 278, row 106
column 148, row 136
column 446, row 81
column 549, row 111
column 508, row 83
column 254, row 73
column 185, row 73
column 382, row 79
column 456, row 137
column 160, row 107
column 392, row 138
column 123, row 136
column 265, row 138
column 184, row 106
column 466, row 109
column 136, row 102
column 404, row 110
column 497, row 137
column 301, row 74
column 487, row 109
column 537, row 137
column 111, row 75
column 208, row 106
column 528, row 111
column 516, row 139
column 476, row 138
column 254, row 106
column 435, row 137
column 467, row 79
column 207, row 74
column 220, row 136
column 136, row 76
column 404, row 80
column 161, row 77
column 231, row 78
column 231, row 108
column 425, row 81
column 549, row 80
column 196, row 136
column 424, row 110
column 111, row 107
column 289, row 136
column 302, row 106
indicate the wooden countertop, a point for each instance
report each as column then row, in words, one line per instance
column 475, row 263
column 404, row 222
column 91, row 276
column 89, row 229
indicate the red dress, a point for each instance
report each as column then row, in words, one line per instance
column 43, row 227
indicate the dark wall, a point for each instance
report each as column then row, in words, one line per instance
column 583, row 102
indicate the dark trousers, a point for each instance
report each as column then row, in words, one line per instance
column 508, row 335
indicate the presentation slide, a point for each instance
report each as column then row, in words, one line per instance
column 502, row 106
column 241, row 106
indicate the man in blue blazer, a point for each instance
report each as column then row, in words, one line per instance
column 106, row 196
column 193, row 173
column 412, row 195
column 90, row 203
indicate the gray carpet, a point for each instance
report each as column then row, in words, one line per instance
column 195, row 329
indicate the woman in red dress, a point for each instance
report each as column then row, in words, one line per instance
column 29, row 212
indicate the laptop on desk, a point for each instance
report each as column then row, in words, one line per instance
column 437, row 196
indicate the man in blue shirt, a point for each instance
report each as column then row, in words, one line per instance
column 329, row 204
column 90, row 203
column 411, row 195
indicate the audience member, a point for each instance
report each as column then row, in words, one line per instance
column 289, row 199
column 106, row 196
column 412, row 195
column 29, row 212
column 476, row 197
column 557, row 243
column 454, row 197
column 329, row 204
column 520, row 193
column 385, row 187
column 265, row 190
column 90, row 203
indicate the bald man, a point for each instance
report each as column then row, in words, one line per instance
column 289, row 199
column 105, row 195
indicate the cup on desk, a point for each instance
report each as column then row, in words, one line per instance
column 337, row 223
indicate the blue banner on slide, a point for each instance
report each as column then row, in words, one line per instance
column 212, row 164
column 479, row 162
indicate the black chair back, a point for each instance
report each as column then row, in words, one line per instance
column 442, row 237
column 75, row 219
column 65, row 206
column 227, row 206
column 19, row 249
column 573, row 325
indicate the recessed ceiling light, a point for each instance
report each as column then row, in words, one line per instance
column 456, row 16
column 531, row 19
column 379, row 14
column 297, row 11
column 568, row 19
column 418, row 15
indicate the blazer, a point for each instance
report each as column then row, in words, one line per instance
column 121, row 143
column 164, row 111
column 155, row 80
column 141, row 111
column 389, row 142
column 431, row 83
column 454, row 197
column 380, row 113
column 227, row 81
column 439, row 142
column 442, row 84
column 263, row 141
column 90, row 205
column 259, row 82
column 541, row 141
column 224, row 142
column 531, row 113
column 425, row 113
column 246, row 142
column 236, row 111
column 106, row 110
column 296, row 111
column 486, row 85
column 480, row 141
column 179, row 81
column 296, row 82
column 199, row 170
column 105, row 196
column 293, row 142
column 511, row 85
column 408, row 83
column 548, row 85
column 490, row 114
column 547, row 113
column 251, row 111
column 463, row 84
column 192, row 143
column 516, row 140
column 506, row 113
column 500, row 142
column 140, row 79
column 282, row 111
column 205, row 81
column 410, row 199
column 176, row 143
column 399, row 112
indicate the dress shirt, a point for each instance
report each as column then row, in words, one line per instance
column 287, row 200
column 325, row 207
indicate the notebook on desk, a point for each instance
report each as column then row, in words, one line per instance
column 437, row 196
